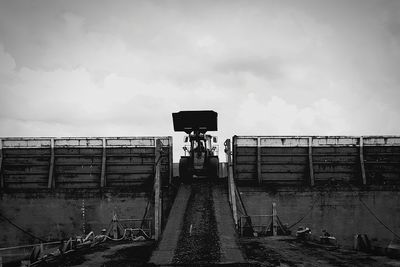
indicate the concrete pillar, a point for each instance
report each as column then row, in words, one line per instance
column 50, row 183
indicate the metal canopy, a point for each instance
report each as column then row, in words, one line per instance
column 199, row 120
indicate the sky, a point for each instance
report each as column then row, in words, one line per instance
column 120, row 68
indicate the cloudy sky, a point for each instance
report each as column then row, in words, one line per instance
column 120, row 68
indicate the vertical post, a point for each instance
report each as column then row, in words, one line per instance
column 50, row 183
column 234, row 154
column 274, row 220
column 310, row 161
column 363, row 176
column 171, row 160
column 259, row 177
column 231, row 181
column 1, row 165
column 103, row 165
column 227, row 154
column 157, row 193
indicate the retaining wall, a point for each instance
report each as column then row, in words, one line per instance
column 340, row 211
column 316, row 160
column 329, row 181
column 45, row 182
column 81, row 162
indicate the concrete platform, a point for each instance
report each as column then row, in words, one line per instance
column 228, row 238
column 165, row 251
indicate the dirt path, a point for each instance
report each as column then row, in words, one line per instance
column 198, row 242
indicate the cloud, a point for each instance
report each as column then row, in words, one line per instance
column 277, row 117
column 69, row 68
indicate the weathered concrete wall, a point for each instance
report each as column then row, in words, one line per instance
column 56, row 215
column 338, row 210
column 316, row 160
column 44, row 181
column 81, row 162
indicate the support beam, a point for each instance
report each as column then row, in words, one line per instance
column 259, row 173
column 274, row 220
column 157, row 191
column 362, row 166
column 310, row 161
column 50, row 183
column 103, row 164
column 1, row 165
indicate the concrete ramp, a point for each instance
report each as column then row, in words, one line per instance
column 164, row 254
column 228, row 238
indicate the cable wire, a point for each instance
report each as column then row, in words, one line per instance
column 379, row 220
column 302, row 218
column 21, row 229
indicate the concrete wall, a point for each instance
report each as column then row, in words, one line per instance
column 81, row 162
column 338, row 210
column 53, row 216
column 44, row 182
column 316, row 160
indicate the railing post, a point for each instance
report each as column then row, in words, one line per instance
column 231, row 181
column 310, row 161
column 274, row 220
column 157, row 191
column 362, row 166
column 103, row 164
column 1, row 165
column 50, row 183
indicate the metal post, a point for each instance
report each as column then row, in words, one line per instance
column 274, row 220
column 259, row 173
column 157, row 193
column 1, row 165
column 363, row 176
column 310, row 161
column 50, row 183
column 103, row 165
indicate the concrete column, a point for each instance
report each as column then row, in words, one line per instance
column 50, row 183
column 157, row 191
column 171, row 160
column 362, row 166
column 259, row 173
column 1, row 165
column 103, row 164
column 310, row 161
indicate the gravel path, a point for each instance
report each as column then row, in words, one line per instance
column 198, row 242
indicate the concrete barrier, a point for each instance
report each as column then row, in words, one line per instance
column 317, row 160
column 81, row 162
column 54, row 188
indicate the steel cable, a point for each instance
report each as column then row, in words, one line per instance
column 21, row 229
